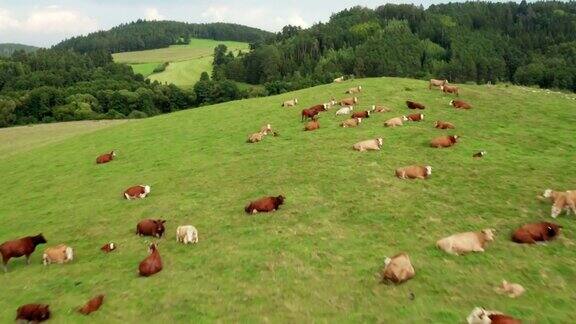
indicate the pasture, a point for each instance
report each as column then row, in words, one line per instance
column 316, row 258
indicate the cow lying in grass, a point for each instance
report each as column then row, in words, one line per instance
column 416, row 117
column 33, row 313
column 352, row 122
column 414, row 105
column 443, row 125
column 152, row 264
column 450, row 89
column 108, row 247
column 512, row 290
column 397, row 269
column 444, row 141
column 380, row 109
column 136, row 192
column 264, row 205
column 92, row 305
column 459, row 104
column 290, row 103
column 105, row 158
column 349, row 101
column 151, row 227
column 58, row 254
column 396, row 121
column 481, row 316
column 361, row 114
column 479, row 155
column 345, row 110
column 371, row 144
column 20, row 247
column 536, row 232
column 463, row 243
column 312, row 125
column 354, row 90
column 414, row 172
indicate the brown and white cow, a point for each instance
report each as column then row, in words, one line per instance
column 414, row 172
column 151, row 227
column 396, row 121
column 397, row 269
column 443, row 125
column 450, row 89
column 536, row 232
column 414, row 105
column 361, row 114
column 436, row 83
column 312, row 111
column 354, row 90
column 416, row 117
column 349, row 101
column 459, row 104
column 290, row 103
column 352, row 122
column 108, row 247
column 479, row 155
column 561, row 201
column 135, row 192
column 481, row 316
column 105, row 158
column 265, row 204
column 152, row 264
column 444, row 141
column 58, row 254
column 380, row 109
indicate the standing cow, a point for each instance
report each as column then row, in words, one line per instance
column 436, row 83
column 20, row 247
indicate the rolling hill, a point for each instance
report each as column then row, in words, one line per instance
column 187, row 61
column 316, row 258
column 6, row 49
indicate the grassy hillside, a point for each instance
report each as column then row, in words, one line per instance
column 316, row 258
column 6, row 49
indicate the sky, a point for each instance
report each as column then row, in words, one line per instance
column 47, row 22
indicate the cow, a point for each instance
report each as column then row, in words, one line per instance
column 338, row 80
column 436, row 83
column 312, row 125
column 33, row 313
column 536, row 232
column 92, row 305
column 380, row 109
column 266, row 129
column 397, row 269
column 330, row 103
column 256, row 137
column 151, row 227
column 479, row 155
column 135, row 192
column 416, row 117
column 481, row 316
column 459, row 104
column 290, row 103
column 265, row 205
column 152, row 264
column 345, row 110
column 414, row 172
column 108, row 247
column 361, row 114
column 414, row 105
column 462, row 243
column 371, row 144
column 396, row 121
column 512, row 290
column 187, row 234
column 105, row 158
column 354, row 90
column 21, row 247
column 444, row 141
column 349, row 101
column 443, row 125
column 312, row 111
column 561, row 201
column 352, row 122
column 449, row 89
column 58, row 254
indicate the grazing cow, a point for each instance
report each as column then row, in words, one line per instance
column 312, row 111
column 312, row 125
column 151, row 227
column 352, row 122
column 479, row 155
column 345, row 110
column 414, row 172
column 380, row 109
column 354, row 90
column 338, row 80
column 361, row 114
column 290, row 103
column 92, row 305
column 512, row 290
column 264, row 205
column 349, row 101
column 371, row 144
column 449, row 89
column 481, row 316
column 396, row 121
column 459, row 104
column 536, row 232
column 21, row 247
column 256, row 137
column 105, row 158
column 414, row 105
column 443, row 125
column 58, row 254
column 463, row 243
column 436, row 83
column 444, row 141
column 561, row 201
column 416, row 117
column 397, row 269
column 135, row 192
column 33, row 313
column 152, row 264
column 187, row 234
column 108, row 247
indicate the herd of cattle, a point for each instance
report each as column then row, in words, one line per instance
column 397, row 269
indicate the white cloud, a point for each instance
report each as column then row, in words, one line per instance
column 216, row 12
column 256, row 16
column 293, row 19
column 7, row 21
column 53, row 20
column 153, row 14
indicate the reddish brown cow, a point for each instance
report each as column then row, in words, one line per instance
column 266, row 204
column 33, row 313
column 459, row 104
column 312, row 111
column 92, row 305
column 361, row 114
column 151, row 227
column 414, row 105
column 312, row 125
column 108, row 247
column 449, row 89
column 20, row 247
column 443, row 125
column 444, row 141
column 416, row 117
column 152, row 264
column 503, row 319
column 535, row 232
column 105, row 158
column 134, row 192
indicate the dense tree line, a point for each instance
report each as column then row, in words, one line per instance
column 531, row 44
column 6, row 49
column 142, row 35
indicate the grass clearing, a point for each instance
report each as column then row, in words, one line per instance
column 146, row 69
column 316, row 258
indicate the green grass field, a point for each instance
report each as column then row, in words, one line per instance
column 187, row 61
column 315, row 259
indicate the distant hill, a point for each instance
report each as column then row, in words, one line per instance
column 7, row 49
column 143, row 35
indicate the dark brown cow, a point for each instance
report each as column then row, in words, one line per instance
column 152, row 264
column 443, row 125
column 361, row 114
column 20, row 247
column 459, row 104
column 414, row 105
column 33, row 313
column 108, row 247
column 105, row 158
column 479, row 155
column 312, row 111
column 503, row 319
column 536, row 232
column 266, row 204
column 151, row 227
column 444, row 141
column 416, row 117
column 92, row 305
